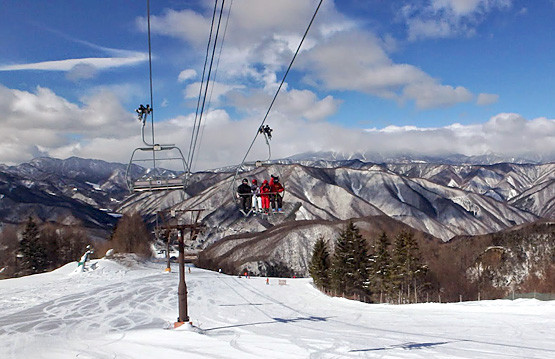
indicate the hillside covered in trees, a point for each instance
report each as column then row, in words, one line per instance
column 402, row 270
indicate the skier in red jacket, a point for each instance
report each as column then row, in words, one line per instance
column 276, row 189
column 264, row 194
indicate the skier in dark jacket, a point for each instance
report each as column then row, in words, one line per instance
column 244, row 193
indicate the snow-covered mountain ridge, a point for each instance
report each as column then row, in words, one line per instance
column 441, row 199
column 434, row 200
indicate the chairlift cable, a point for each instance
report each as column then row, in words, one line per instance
column 215, row 75
column 189, row 155
column 207, row 81
column 150, row 79
column 277, row 92
column 196, row 135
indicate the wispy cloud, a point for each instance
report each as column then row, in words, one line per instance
column 70, row 64
column 485, row 99
column 82, row 67
column 447, row 18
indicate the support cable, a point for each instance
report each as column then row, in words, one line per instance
column 277, row 92
column 207, row 81
column 150, row 81
column 215, row 74
column 189, row 155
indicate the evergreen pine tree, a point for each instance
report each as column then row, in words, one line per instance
column 408, row 269
column 399, row 273
column 415, row 268
column 361, row 266
column 340, row 264
column 351, row 263
column 382, row 267
column 31, row 250
column 320, row 264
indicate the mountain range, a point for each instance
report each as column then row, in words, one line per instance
column 439, row 200
column 489, row 196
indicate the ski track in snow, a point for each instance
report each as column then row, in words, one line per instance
column 104, row 315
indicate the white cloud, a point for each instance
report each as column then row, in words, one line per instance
column 215, row 91
column 42, row 123
column 506, row 133
column 337, row 55
column 293, row 104
column 357, row 61
column 83, row 68
column 71, row 64
column 186, row 75
column 81, row 71
column 429, row 94
column 485, row 99
column 447, row 18
column 261, row 35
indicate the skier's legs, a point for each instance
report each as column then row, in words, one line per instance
column 273, row 201
column 279, row 199
column 245, row 202
column 254, row 204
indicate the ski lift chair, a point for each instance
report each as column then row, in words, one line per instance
column 155, row 181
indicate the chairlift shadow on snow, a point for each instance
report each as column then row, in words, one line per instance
column 274, row 321
column 406, row 346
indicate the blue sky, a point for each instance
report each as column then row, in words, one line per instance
column 423, row 77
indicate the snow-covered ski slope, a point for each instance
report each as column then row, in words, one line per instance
column 121, row 311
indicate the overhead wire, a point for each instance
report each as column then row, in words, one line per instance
column 195, row 135
column 189, row 159
column 215, row 74
column 277, row 92
column 150, row 80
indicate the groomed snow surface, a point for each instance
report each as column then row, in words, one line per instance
column 119, row 311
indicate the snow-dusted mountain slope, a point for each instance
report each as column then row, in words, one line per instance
column 21, row 198
column 538, row 199
column 120, row 311
column 286, row 248
column 500, row 181
column 342, row 193
column 443, row 200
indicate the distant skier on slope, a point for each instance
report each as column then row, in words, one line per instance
column 85, row 258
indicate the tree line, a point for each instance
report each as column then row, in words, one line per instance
column 385, row 271
column 35, row 247
column 32, row 249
